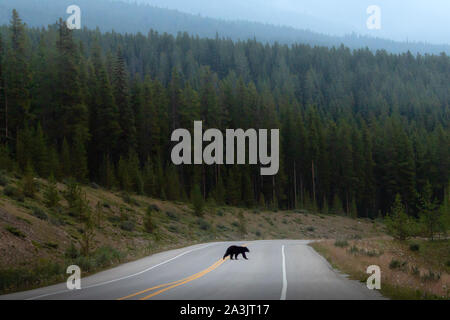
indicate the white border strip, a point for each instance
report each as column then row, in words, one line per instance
column 284, row 289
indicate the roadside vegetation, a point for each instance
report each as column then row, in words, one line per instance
column 414, row 261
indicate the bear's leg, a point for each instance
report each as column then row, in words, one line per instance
column 245, row 257
column 236, row 256
column 231, row 256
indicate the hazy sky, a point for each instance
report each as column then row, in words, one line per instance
column 417, row 20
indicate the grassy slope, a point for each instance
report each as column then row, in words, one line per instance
column 33, row 246
column 405, row 273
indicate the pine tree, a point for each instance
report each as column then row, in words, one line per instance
column 198, row 202
column 28, row 183
column 66, row 160
column 51, row 194
column 72, row 113
column 430, row 215
column 17, row 76
column 39, row 153
column 127, row 140
column 399, row 225
column 149, row 179
column 79, row 159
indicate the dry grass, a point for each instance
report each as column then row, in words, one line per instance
column 405, row 274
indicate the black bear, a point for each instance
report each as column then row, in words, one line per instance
column 234, row 251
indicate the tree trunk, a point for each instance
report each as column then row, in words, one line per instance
column 313, row 183
column 295, row 187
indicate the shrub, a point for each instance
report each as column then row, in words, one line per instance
column 13, row 193
column 242, row 223
column 221, row 227
column 431, row 276
column 15, row 232
column 310, row 229
column 396, row 264
column 72, row 252
column 203, row 224
column 341, row 243
column 258, row 233
column 106, row 256
column 129, row 199
column 172, row 215
column 414, row 247
column 39, row 213
column 127, row 225
column 3, row 180
column 154, row 207
column 28, row 184
column 415, row 271
column 149, row 225
column 51, row 245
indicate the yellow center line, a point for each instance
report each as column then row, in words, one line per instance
column 166, row 284
column 177, row 283
column 199, row 275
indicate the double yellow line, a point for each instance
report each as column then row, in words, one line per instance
column 167, row 286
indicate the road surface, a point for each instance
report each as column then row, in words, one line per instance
column 276, row 269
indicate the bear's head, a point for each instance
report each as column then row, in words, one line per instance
column 246, row 249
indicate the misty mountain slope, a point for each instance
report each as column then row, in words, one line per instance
column 132, row 18
column 415, row 20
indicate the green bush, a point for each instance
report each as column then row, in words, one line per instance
column 172, row 215
column 396, row 264
column 39, row 213
column 310, row 229
column 203, row 224
column 414, row 247
column 154, row 207
column 15, row 231
column 127, row 225
column 106, row 256
column 341, row 243
column 51, row 245
column 149, row 225
column 3, row 180
column 25, row 277
column 72, row 252
column 431, row 276
column 13, row 193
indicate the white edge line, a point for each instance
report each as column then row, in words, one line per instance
column 284, row 289
column 122, row 278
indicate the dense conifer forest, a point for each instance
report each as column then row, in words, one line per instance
column 357, row 128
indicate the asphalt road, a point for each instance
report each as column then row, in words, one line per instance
column 276, row 269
